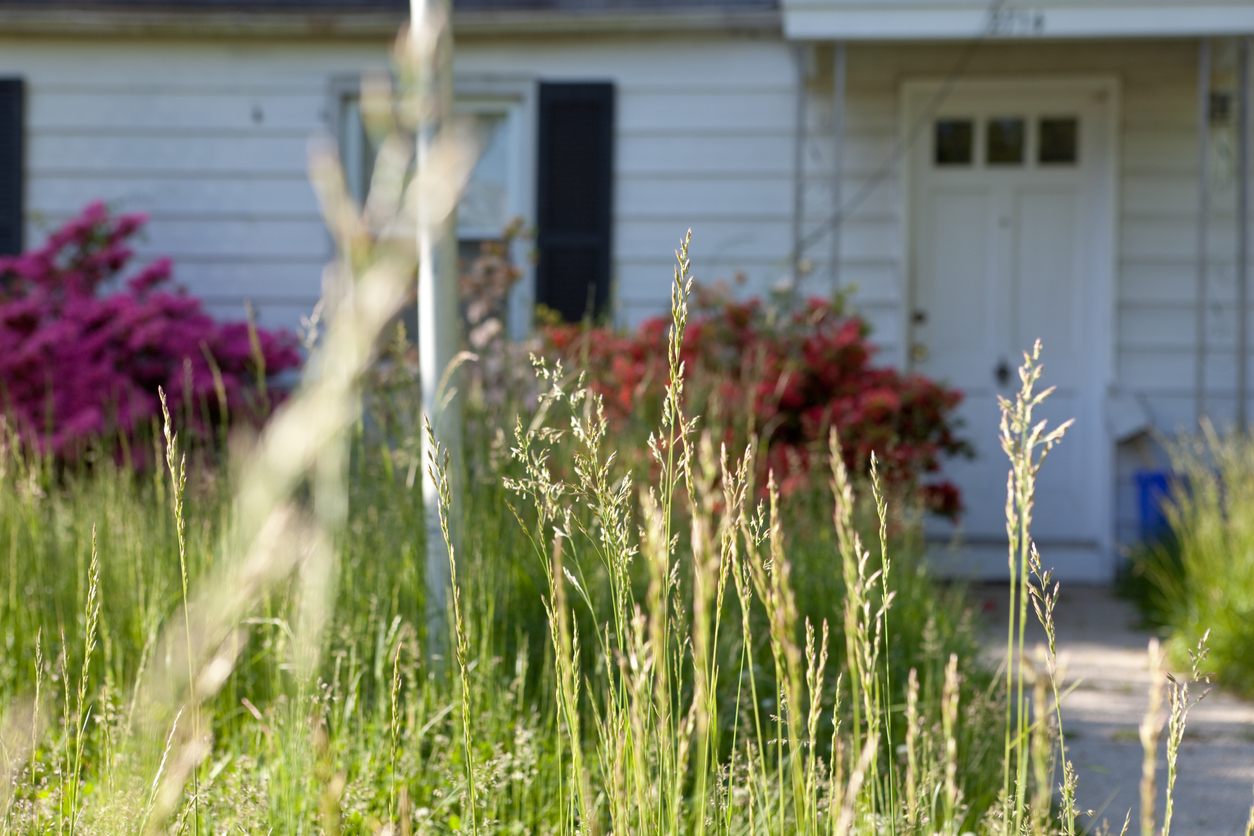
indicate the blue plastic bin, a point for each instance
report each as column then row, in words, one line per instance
column 1153, row 491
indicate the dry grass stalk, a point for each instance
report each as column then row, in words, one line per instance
column 1178, row 700
column 1151, row 728
column 1026, row 442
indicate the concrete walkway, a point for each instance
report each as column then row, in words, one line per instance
column 1106, row 658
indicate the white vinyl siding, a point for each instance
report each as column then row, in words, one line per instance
column 209, row 138
column 871, row 262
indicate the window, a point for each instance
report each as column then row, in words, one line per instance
column 1058, row 141
column 489, row 202
column 492, row 198
column 357, row 149
column 1006, row 139
column 954, row 141
column 499, row 188
column 485, row 206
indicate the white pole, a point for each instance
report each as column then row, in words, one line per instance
column 439, row 320
column 1203, row 218
column 800, row 56
column 1243, row 234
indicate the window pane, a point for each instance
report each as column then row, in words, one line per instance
column 484, row 208
column 1059, row 141
column 357, row 149
column 1006, row 138
column 953, row 141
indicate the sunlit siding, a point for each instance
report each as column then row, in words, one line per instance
column 209, row 138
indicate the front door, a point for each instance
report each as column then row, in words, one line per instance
column 1010, row 242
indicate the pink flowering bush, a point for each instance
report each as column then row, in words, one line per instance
column 78, row 363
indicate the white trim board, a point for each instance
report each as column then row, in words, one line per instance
column 933, row 20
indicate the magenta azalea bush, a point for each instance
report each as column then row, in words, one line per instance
column 78, row 363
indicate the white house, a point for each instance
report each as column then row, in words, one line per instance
column 983, row 173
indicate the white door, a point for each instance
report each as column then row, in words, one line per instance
column 1011, row 238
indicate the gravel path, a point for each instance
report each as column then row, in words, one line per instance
column 1105, row 658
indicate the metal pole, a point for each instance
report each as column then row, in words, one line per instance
column 798, row 171
column 1203, row 219
column 838, row 157
column 438, row 318
column 1243, row 231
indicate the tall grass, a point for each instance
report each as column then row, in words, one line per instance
column 1026, row 443
column 376, row 731
column 1200, row 579
column 670, row 755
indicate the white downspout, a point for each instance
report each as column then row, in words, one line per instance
column 1243, row 233
column 1203, row 220
column 799, row 52
column 838, row 157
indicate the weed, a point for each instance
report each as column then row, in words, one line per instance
column 1198, row 580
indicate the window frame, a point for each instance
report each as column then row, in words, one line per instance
column 515, row 97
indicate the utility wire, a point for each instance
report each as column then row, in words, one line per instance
column 904, row 144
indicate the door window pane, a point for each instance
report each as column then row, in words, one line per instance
column 954, row 138
column 1006, row 139
column 1058, row 141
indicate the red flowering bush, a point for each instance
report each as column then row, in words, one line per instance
column 789, row 378
column 76, row 364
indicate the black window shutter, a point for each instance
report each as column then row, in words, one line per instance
column 574, row 197
column 11, row 165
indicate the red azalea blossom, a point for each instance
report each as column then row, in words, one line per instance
column 76, row 364
column 793, row 378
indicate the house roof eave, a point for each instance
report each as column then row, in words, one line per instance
column 68, row 20
column 942, row 20
column 207, row 21
column 566, row 21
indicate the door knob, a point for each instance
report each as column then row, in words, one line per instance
column 1002, row 372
